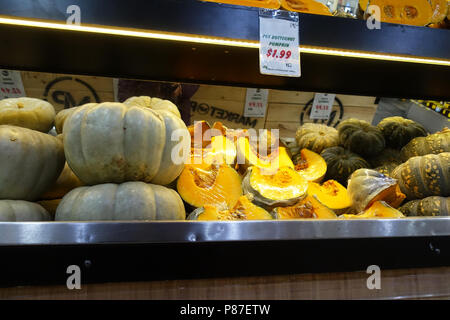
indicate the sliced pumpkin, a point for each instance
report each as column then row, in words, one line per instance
column 308, row 208
column 410, row 12
column 332, row 194
column 379, row 209
column 205, row 184
column 283, row 188
column 306, row 6
column 200, row 134
column 243, row 210
column 310, row 165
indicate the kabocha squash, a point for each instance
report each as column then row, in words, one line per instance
column 379, row 209
column 316, row 137
column 361, row 137
column 440, row 10
column 127, row 201
column 410, row 12
column 113, row 142
column 243, row 210
column 156, row 104
column 430, row 206
column 306, row 6
column 398, row 131
column 332, row 194
column 424, row 176
column 19, row 210
column 387, row 169
column 204, row 184
column 433, row 144
column 310, row 165
column 31, row 113
column 271, row 189
column 30, row 162
column 66, row 181
column 367, row 186
column 308, row 208
column 386, row 156
column 341, row 163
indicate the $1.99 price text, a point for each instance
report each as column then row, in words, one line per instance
column 282, row 54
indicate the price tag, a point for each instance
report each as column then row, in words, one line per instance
column 11, row 85
column 256, row 103
column 279, row 43
column 322, row 105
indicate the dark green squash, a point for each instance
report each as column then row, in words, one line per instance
column 425, row 176
column 433, row 144
column 430, row 206
column 361, row 137
column 386, row 156
column 387, row 168
column 341, row 163
column 398, row 131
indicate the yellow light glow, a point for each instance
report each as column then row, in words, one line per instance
column 215, row 41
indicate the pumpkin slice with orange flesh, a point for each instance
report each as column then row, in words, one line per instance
column 379, row 209
column 243, row 210
column 306, row 6
column 332, row 194
column 410, row 12
column 310, row 165
column 205, row 184
column 308, row 208
column 200, row 134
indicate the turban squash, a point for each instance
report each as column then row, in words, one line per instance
column 19, row 210
column 308, row 208
column 429, row 206
column 310, row 165
column 114, row 142
column 379, row 209
column 433, row 144
column 398, row 131
column 332, row 194
column 316, row 137
column 31, row 113
column 306, row 6
column 424, row 176
column 30, row 162
column 410, row 12
column 134, row 200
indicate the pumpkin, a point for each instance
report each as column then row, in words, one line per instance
column 133, row 200
column 156, row 104
column 112, row 143
column 66, row 181
column 433, row 144
column 220, row 151
column 440, row 10
column 308, row 208
column 341, row 163
column 379, row 209
column 31, row 113
column 398, row 131
column 316, row 137
column 200, row 134
column 243, row 210
column 424, row 176
column 386, row 156
column 387, row 169
column 50, row 206
column 410, row 12
column 306, row 6
column 30, row 162
column 269, row 189
column 205, row 184
column 62, row 116
column 430, row 206
column 367, row 186
column 19, row 210
column 361, row 137
column 310, row 165
column 332, row 194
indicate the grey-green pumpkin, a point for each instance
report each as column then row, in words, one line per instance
column 398, row 131
column 19, row 210
column 433, row 144
column 429, row 206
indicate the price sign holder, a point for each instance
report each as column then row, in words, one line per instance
column 322, row 105
column 279, row 43
column 256, row 103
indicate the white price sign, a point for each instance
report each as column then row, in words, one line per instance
column 11, row 85
column 279, row 45
column 256, row 103
column 322, row 105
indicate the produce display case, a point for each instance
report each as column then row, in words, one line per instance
column 211, row 43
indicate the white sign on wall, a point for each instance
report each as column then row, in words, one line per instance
column 322, row 105
column 11, row 85
column 256, row 103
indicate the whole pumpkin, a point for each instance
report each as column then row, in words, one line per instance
column 424, row 176
column 19, row 210
column 127, row 201
column 433, row 144
column 31, row 113
column 153, row 103
column 316, row 137
column 398, row 131
column 429, row 206
column 341, row 163
column 113, row 143
column 30, row 162
column 385, row 157
column 361, row 137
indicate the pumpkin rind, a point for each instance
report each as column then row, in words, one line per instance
column 433, row 144
column 316, row 137
column 361, row 137
column 31, row 113
column 398, row 131
column 341, row 163
column 127, row 201
column 308, row 208
column 429, row 206
column 19, row 210
column 306, row 6
column 425, row 176
column 30, row 162
column 379, row 209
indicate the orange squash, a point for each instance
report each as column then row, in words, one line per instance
column 332, row 194
column 308, row 208
column 205, row 184
column 269, row 4
column 310, row 165
column 379, row 209
column 306, row 6
column 410, row 12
